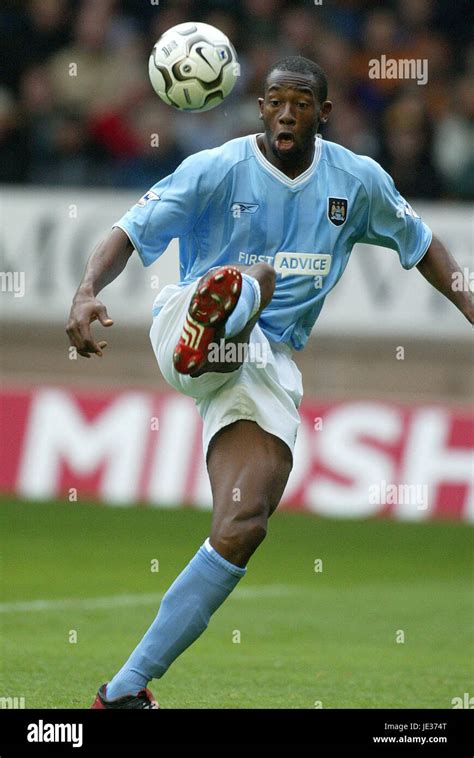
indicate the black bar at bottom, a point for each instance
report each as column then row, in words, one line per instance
column 364, row 732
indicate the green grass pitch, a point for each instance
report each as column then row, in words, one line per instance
column 308, row 638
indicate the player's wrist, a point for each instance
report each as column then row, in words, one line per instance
column 84, row 292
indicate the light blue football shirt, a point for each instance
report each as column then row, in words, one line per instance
column 230, row 205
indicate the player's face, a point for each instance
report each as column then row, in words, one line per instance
column 291, row 114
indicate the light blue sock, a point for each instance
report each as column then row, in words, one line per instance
column 247, row 306
column 184, row 614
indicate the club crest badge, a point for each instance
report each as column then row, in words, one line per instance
column 337, row 210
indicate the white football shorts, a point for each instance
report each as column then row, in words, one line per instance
column 267, row 388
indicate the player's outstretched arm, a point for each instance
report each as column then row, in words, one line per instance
column 442, row 272
column 106, row 262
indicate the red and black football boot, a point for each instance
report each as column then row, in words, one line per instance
column 143, row 700
column 215, row 298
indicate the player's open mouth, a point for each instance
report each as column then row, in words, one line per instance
column 284, row 141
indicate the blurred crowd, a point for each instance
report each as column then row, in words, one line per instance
column 93, row 128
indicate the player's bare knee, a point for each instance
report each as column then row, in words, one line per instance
column 254, row 532
column 239, row 536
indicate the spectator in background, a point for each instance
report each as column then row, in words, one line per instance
column 354, row 124
column 407, row 148
column 343, row 17
column 454, row 141
column 13, row 161
column 299, row 30
column 351, row 127
column 88, row 74
column 380, row 37
column 47, row 28
column 422, row 41
column 38, row 29
column 38, row 111
column 60, row 150
column 260, row 19
column 156, row 151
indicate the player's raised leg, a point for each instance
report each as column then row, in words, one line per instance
column 224, row 303
column 237, row 530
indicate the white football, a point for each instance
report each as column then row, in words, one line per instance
column 193, row 67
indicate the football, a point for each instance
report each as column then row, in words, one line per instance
column 193, row 67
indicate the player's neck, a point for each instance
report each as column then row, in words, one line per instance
column 291, row 168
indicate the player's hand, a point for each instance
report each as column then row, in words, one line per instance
column 84, row 311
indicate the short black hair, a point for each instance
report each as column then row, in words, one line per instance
column 302, row 65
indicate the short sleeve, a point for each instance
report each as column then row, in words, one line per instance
column 169, row 209
column 391, row 221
